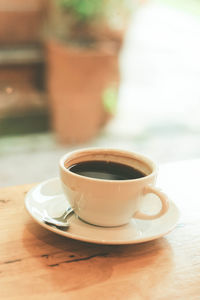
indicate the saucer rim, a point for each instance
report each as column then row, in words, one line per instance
column 74, row 236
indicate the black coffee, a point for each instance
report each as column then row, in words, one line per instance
column 106, row 170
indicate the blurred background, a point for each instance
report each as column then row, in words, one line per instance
column 82, row 73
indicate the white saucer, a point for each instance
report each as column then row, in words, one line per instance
column 49, row 196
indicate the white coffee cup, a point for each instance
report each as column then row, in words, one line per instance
column 110, row 202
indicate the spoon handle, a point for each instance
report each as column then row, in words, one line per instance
column 68, row 212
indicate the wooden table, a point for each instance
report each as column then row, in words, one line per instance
column 38, row 264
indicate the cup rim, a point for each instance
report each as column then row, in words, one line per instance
column 142, row 157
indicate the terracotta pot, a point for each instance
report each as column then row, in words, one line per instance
column 77, row 79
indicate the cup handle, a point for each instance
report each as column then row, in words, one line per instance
column 164, row 200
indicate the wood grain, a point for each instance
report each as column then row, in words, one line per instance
column 38, row 264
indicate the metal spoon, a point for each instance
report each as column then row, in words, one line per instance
column 59, row 221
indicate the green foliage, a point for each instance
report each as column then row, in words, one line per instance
column 110, row 96
column 85, row 22
column 83, row 9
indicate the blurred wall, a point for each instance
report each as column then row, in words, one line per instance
column 22, row 91
column 20, row 21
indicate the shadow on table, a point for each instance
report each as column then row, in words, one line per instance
column 83, row 265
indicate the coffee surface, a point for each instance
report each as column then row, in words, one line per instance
column 106, row 170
